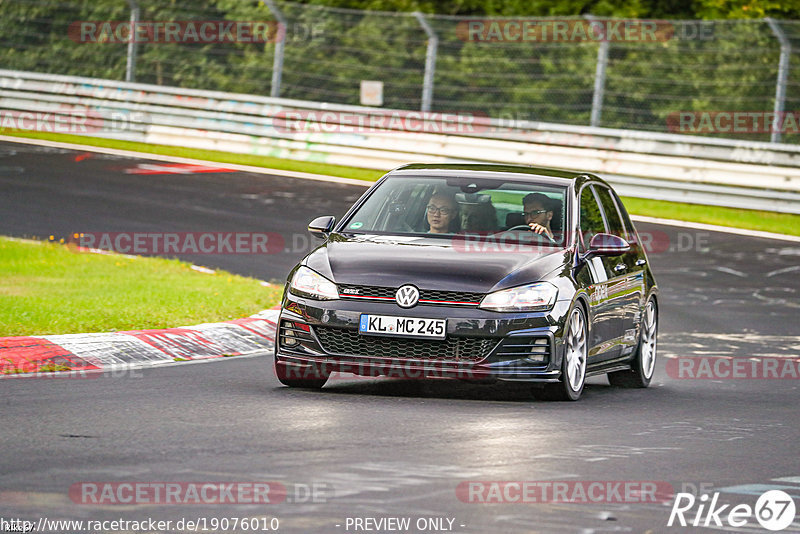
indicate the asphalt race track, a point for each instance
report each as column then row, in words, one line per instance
column 381, row 448
column 50, row 191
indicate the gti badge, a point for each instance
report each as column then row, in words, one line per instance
column 407, row 296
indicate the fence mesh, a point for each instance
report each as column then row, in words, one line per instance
column 693, row 66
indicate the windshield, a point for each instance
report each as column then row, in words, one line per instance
column 451, row 206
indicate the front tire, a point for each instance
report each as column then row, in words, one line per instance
column 573, row 365
column 298, row 377
column 644, row 362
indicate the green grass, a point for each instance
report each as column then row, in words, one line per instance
column 48, row 288
column 750, row 219
column 767, row 221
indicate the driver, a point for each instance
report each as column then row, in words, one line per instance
column 538, row 210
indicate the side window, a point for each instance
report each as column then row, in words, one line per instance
column 610, row 210
column 632, row 237
column 591, row 218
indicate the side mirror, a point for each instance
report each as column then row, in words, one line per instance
column 607, row 245
column 321, row 226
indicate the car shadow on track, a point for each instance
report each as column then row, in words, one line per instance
column 450, row 389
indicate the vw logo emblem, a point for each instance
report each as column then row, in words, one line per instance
column 407, row 296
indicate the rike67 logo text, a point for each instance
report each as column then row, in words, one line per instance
column 774, row 510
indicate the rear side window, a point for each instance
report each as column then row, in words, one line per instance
column 632, row 236
column 591, row 217
column 610, row 210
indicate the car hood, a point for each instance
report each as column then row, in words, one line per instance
column 432, row 263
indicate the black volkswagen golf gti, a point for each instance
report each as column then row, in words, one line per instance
column 479, row 272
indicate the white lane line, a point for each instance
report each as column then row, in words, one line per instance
column 201, row 269
column 715, row 228
column 728, row 270
column 784, row 270
column 758, row 489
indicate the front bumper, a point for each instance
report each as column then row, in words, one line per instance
column 323, row 335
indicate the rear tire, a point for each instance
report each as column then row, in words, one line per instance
column 644, row 362
column 573, row 364
column 300, row 377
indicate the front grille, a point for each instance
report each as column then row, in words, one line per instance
column 366, row 291
column 429, row 297
column 450, row 296
column 351, row 343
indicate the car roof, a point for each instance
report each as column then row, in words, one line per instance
column 496, row 171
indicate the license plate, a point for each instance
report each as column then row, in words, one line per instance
column 390, row 325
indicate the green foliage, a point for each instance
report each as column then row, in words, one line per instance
column 746, row 9
column 330, row 48
column 671, row 9
column 34, row 36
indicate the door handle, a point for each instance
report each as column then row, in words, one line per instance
column 640, row 262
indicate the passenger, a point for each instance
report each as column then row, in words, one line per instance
column 538, row 210
column 442, row 213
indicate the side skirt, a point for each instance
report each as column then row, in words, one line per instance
column 620, row 364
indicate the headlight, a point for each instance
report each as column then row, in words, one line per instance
column 308, row 283
column 540, row 296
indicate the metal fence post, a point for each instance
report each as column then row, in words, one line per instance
column 130, row 66
column 783, row 74
column 277, row 60
column 430, row 62
column 599, row 77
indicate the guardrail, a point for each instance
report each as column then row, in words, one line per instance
column 691, row 169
